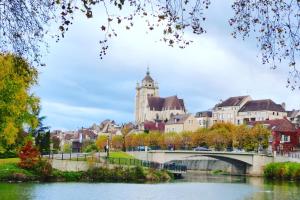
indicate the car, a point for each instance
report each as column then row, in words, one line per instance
column 143, row 148
column 201, row 149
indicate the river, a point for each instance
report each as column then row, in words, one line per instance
column 192, row 187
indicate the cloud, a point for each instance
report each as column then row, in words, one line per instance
column 78, row 89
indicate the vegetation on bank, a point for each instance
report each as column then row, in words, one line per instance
column 31, row 167
column 283, row 171
column 12, row 172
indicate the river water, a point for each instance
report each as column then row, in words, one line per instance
column 193, row 187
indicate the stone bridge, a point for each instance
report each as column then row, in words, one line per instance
column 242, row 162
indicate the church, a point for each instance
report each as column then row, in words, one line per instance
column 149, row 106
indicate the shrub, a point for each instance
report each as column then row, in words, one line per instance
column 287, row 170
column 29, row 156
column 43, row 168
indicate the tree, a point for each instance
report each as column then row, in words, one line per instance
column 56, row 143
column 101, row 142
column 199, row 138
column 261, row 136
column 126, row 128
column 29, row 155
column 41, row 133
column 17, row 105
column 118, row 141
column 219, row 138
column 275, row 24
column 67, row 148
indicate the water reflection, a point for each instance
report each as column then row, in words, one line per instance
column 13, row 191
column 195, row 186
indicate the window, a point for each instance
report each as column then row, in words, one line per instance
column 285, row 138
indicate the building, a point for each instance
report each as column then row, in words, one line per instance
column 182, row 122
column 149, row 106
column 227, row 111
column 154, row 126
column 204, row 119
column 260, row 110
column 285, row 136
column 242, row 109
column 294, row 117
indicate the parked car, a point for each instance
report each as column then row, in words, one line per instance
column 201, row 149
column 142, row 148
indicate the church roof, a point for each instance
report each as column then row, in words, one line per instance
column 168, row 103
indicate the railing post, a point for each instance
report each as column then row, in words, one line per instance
column 77, row 157
column 62, row 155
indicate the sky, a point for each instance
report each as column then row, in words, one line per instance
column 78, row 89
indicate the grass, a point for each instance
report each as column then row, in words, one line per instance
column 120, row 154
column 9, row 160
column 11, row 171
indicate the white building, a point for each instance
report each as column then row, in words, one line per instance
column 242, row 109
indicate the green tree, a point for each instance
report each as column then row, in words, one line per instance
column 67, row 148
column 17, row 104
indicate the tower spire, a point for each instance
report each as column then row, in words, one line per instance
column 148, row 71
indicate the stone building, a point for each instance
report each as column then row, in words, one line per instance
column 242, row 109
column 149, row 106
column 182, row 122
column 204, row 119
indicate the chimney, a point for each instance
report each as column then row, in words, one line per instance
column 283, row 105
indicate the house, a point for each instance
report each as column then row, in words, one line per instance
column 242, row 109
column 204, row 119
column 154, row 126
column 294, row 117
column 227, row 111
column 260, row 110
column 183, row 122
column 285, row 136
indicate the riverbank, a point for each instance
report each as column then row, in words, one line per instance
column 11, row 172
column 283, row 171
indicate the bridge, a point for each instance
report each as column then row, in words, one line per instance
column 242, row 162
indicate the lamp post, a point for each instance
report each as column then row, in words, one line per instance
column 259, row 144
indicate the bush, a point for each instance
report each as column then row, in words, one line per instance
column 287, row 170
column 68, row 176
column 9, row 154
column 43, row 168
column 29, row 156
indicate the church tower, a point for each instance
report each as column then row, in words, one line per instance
column 147, row 88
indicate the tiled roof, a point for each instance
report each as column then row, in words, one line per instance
column 178, row 119
column 265, row 104
column 204, row 114
column 293, row 113
column 280, row 125
column 168, row 103
column 154, row 126
column 232, row 101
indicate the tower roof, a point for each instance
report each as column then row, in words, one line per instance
column 148, row 78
